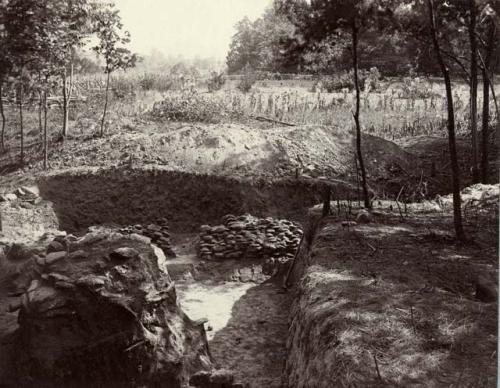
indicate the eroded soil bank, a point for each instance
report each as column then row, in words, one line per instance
column 126, row 196
column 394, row 303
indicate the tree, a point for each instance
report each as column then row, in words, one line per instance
column 347, row 20
column 489, row 45
column 244, row 48
column 434, row 32
column 75, row 16
column 25, row 27
column 473, row 87
column 5, row 66
column 108, row 28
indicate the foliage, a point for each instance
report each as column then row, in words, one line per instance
column 191, row 106
column 108, row 28
column 155, row 81
column 343, row 80
column 260, row 43
column 415, row 87
column 216, row 81
column 248, row 80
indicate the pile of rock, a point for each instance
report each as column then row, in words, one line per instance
column 158, row 233
column 248, row 237
column 25, row 193
column 99, row 311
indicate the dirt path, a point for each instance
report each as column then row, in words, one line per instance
column 247, row 312
column 253, row 343
column 249, row 327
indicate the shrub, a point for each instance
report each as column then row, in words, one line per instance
column 159, row 82
column 191, row 106
column 416, row 88
column 371, row 80
column 216, row 81
column 345, row 80
column 248, row 80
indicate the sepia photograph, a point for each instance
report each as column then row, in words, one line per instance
column 249, row 193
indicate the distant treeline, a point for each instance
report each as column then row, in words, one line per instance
column 291, row 38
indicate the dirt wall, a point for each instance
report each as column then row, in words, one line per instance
column 127, row 196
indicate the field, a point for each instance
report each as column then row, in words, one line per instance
column 398, row 108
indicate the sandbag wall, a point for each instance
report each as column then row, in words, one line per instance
column 249, row 237
column 158, row 233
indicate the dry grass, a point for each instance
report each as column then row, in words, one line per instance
column 402, row 294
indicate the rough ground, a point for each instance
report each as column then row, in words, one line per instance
column 249, row 327
column 247, row 313
column 396, row 303
column 235, row 150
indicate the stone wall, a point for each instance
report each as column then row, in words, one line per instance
column 249, row 237
column 158, row 233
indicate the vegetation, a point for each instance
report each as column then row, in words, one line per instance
column 300, row 63
column 40, row 42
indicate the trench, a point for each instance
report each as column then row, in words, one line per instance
column 244, row 309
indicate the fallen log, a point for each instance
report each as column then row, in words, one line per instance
column 262, row 118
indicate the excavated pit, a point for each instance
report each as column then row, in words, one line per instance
column 265, row 336
column 244, row 308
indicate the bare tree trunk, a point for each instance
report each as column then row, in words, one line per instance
column 473, row 90
column 66, row 98
column 327, row 201
column 21, row 119
column 2, row 113
column 105, row 104
column 356, row 114
column 486, row 105
column 457, row 211
column 45, row 143
column 40, row 107
column 67, row 91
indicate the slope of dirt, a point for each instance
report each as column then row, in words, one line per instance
column 235, row 150
column 394, row 303
column 124, row 196
column 434, row 159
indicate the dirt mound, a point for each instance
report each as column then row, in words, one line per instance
column 102, row 311
column 237, row 150
column 434, row 160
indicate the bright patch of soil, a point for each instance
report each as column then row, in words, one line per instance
column 247, row 319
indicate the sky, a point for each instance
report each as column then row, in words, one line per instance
column 186, row 28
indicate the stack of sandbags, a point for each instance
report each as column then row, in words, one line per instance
column 248, row 237
column 158, row 233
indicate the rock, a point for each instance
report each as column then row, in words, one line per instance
column 55, row 246
column 86, row 324
column 486, row 290
column 140, row 237
column 246, row 234
column 32, row 191
column 8, row 197
column 54, row 257
column 78, row 255
column 124, row 254
column 214, row 379
column 364, row 217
